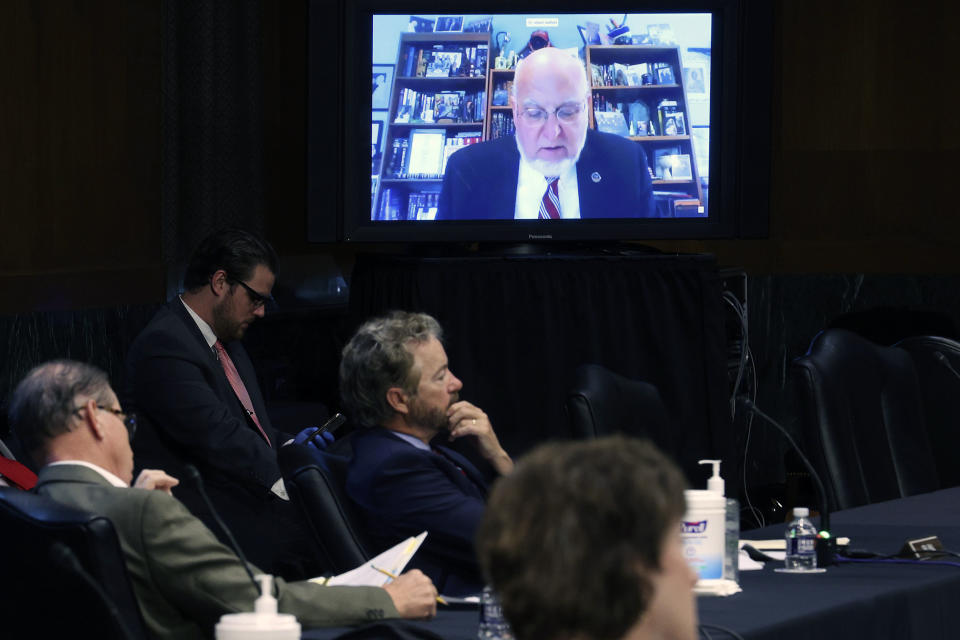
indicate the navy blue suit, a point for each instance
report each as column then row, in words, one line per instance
column 192, row 415
column 613, row 180
column 401, row 490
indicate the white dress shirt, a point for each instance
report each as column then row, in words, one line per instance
column 531, row 185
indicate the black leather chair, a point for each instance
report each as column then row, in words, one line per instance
column 939, row 377
column 316, row 482
column 602, row 402
column 862, row 420
column 62, row 573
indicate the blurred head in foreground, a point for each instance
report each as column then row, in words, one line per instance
column 582, row 541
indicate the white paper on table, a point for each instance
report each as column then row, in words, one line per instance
column 393, row 560
column 746, row 563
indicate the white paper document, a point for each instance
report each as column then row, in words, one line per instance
column 393, row 560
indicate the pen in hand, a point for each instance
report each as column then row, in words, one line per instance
column 330, row 425
column 395, row 576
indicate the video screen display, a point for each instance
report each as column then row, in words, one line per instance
column 540, row 117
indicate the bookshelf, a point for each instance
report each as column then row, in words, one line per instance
column 499, row 118
column 438, row 102
column 617, row 82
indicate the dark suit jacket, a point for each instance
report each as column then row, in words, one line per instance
column 184, row 579
column 190, row 414
column 401, row 490
column 612, row 179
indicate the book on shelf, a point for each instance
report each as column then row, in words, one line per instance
column 422, row 205
column 398, row 158
column 451, row 106
column 670, row 115
column 501, row 125
column 457, row 142
column 390, row 203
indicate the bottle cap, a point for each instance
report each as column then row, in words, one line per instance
column 714, row 482
column 801, row 512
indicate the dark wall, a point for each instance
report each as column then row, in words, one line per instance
column 79, row 153
column 863, row 161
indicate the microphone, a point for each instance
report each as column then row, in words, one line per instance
column 942, row 359
column 194, row 475
column 826, row 546
column 63, row 556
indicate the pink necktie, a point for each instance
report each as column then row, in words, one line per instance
column 550, row 204
column 238, row 388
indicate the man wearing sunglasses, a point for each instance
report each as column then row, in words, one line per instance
column 554, row 167
column 191, row 381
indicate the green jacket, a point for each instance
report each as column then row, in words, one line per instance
column 183, row 577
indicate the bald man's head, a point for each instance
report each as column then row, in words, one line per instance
column 549, row 100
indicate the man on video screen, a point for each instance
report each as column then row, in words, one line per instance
column 554, row 167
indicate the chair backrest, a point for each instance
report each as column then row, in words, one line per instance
column 45, row 592
column 602, row 402
column 316, row 481
column 862, row 420
column 940, row 389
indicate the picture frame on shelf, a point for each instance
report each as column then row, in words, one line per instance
column 382, row 83
column 484, row 25
column 449, row 24
column 426, row 152
column 420, row 25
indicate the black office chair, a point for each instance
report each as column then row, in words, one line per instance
column 939, row 377
column 316, row 482
column 862, row 420
column 602, row 402
column 62, row 573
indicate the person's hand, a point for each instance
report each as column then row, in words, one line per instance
column 155, row 479
column 467, row 419
column 320, row 443
column 413, row 595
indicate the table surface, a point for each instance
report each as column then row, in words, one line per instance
column 851, row 600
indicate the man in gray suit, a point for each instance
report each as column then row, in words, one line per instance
column 69, row 419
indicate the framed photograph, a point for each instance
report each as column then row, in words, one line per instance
column 420, row 25
column 665, row 75
column 443, row 64
column 680, row 165
column 426, row 152
column 382, row 82
column 479, row 26
column 696, row 81
column 449, row 23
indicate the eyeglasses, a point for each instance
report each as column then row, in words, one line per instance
column 129, row 419
column 256, row 299
column 566, row 113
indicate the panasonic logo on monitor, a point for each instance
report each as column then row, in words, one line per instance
column 540, row 236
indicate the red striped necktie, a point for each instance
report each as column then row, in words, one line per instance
column 550, row 204
column 233, row 376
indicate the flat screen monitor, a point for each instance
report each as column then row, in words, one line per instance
column 626, row 129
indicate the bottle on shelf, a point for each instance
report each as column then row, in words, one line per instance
column 801, row 542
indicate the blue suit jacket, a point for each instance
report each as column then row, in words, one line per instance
column 613, row 180
column 193, row 416
column 401, row 490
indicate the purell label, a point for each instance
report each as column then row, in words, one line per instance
column 694, row 527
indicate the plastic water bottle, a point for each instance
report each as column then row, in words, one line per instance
column 493, row 626
column 801, row 539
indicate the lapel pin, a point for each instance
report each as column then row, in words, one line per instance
column 595, row 177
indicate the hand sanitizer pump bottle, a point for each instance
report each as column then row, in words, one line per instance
column 703, row 531
column 264, row 623
column 731, row 554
